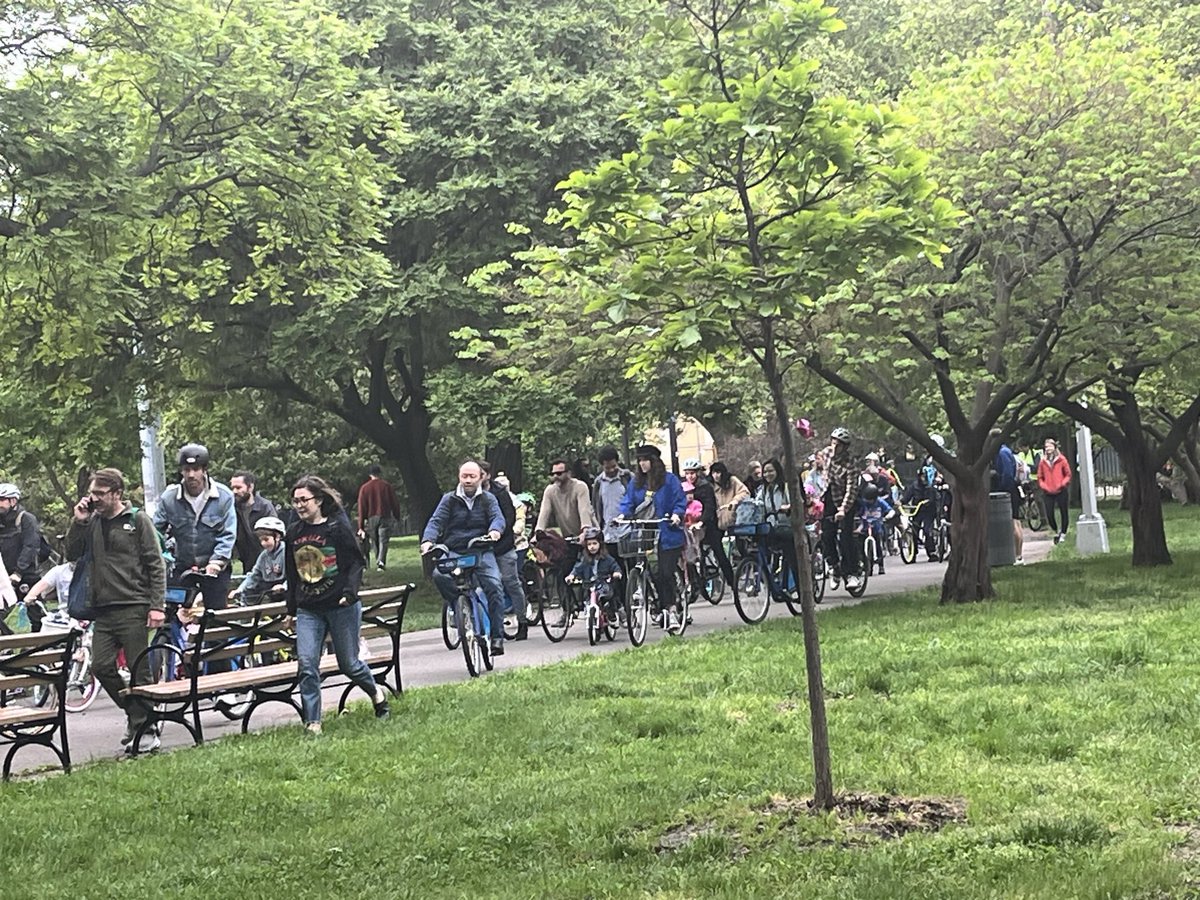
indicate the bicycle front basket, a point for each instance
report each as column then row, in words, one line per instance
column 638, row 542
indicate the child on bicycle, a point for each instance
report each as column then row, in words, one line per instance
column 267, row 577
column 595, row 563
column 870, row 515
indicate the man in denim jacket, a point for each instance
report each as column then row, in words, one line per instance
column 200, row 515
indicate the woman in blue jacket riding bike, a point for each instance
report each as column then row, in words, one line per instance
column 655, row 493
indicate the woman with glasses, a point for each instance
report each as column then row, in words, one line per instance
column 325, row 566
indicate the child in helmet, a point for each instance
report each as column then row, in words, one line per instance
column 267, row 576
column 871, row 512
column 595, row 563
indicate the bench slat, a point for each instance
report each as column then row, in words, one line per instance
column 19, row 715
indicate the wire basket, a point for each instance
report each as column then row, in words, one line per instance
column 637, row 542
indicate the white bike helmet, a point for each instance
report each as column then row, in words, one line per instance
column 271, row 523
column 692, row 465
column 9, row 491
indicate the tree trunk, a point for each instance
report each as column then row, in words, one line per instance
column 968, row 577
column 1190, row 464
column 1145, row 506
column 823, row 798
column 506, row 457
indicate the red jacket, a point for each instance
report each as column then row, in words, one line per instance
column 377, row 498
column 1053, row 477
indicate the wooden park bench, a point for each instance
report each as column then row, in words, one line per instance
column 33, row 676
column 252, row 637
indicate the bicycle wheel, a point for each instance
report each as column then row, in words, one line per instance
column 714, row 581
column 872, row 554
column 908, row 546
column 864, row 575
column 753, row 598
column 449, row 629
column 468, row 635
column 165, row 659
column 820, row 575
column 556, row 611
column 511, row 624
column 82, row 687
column 638, row 607
column 684, row 614
column 593, row 624
column 1035, row 518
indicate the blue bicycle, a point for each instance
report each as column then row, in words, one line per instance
column 468, row 616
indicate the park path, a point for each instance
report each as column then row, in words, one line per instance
column 94, row 734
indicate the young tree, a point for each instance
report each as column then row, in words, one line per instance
column 748, row 202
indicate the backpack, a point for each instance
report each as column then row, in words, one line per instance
column 45, row 551
column 1022, row 471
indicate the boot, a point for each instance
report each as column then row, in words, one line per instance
column 522, row 632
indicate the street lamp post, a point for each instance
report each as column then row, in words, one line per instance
column 1091, row 534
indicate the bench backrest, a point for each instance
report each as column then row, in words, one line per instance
column 228, row 633
column 29, row 660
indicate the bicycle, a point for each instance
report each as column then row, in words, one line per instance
column 469, row 615
column 1033, row 514
column 639, row 544
column 600, row 610
column 558, row 605
column 763, row 574
column 82, row 684
column 511, row 623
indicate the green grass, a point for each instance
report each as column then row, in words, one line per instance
column 1066, row 713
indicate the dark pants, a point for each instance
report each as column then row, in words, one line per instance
column 1057, row 502
column 840, row 544
column 664, row 575
column 618, row 586
column 118, row 628
column 215, row 594
column 714, row 538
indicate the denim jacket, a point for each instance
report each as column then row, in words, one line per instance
column 198, row 541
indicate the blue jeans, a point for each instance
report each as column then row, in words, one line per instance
column 510, row 577
column 342, row 623
column 487, row 575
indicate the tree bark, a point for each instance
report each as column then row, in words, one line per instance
column 1145, row 505
column 968, row 577
column 823, row 798
column 506, row 457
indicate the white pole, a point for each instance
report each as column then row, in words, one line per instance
column 154, row 479
column 1091, row 533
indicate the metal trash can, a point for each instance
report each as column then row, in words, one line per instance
column 1001, row 551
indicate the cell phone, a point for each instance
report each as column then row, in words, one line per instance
column 87, row 503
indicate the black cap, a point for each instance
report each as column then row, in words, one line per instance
column 647, row 451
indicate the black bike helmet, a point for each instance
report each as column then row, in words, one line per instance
column 870, row 492
column 193, row 455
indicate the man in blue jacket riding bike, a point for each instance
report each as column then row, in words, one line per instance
column 463, row 514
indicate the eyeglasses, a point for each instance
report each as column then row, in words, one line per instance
column 300, row 501
column 98, row 494
column 557, row 472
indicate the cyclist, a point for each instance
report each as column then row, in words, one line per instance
column 704, row 491
column 922, row 524
column 870, row 515
column 595, row 563
column 841, row 492
column 506, row 553
column 267, row 576
column 657, row 493
column 20, row 541
column 463, row 514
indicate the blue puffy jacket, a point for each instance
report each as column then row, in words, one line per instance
column 669, row 500
column 454, row 523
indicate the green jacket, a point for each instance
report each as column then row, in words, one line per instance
column 127, row 565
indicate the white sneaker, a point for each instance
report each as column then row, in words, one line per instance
column 148, row 744
column 672, row 620
column 1020, row 561
column 313, row 727
column 853, row 582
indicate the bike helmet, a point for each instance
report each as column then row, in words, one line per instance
column 840, row 434
column 870, row 492
column 592, row 533
column 271, row 523
column 692, row 465
column 9, row 491
column 193, row 455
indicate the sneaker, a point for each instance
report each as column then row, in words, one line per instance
column 497, row 646
column 522, row 632
column 1020, row 561
column 1062, row 538
column 380, row 566
column 853, row 582
column 380, row 701
column 148, row 744
column 671, row 620
column 312, row 727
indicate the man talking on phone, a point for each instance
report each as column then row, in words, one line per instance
column 127, row 578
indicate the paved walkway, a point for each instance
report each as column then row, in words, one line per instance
column 94, row 734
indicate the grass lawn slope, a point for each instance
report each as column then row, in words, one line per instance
column 1062, row 717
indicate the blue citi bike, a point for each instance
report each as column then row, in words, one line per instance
column 467, row 618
